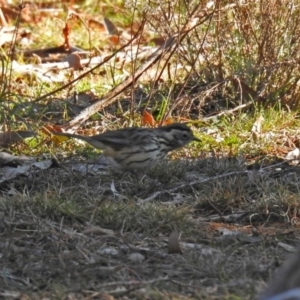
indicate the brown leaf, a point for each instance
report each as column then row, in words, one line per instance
column 147, row 119
column 96, row 25
column 66, row 33
column 115, row 39
column 167, row 121
column 158, row 41
column 50, row 130
column 173, row 244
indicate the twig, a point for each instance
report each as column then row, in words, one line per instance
column 178, row 187
column 131, row 79
column 130, row 283
column 13, row 44
column 154, row 195
column 89, row 71
column 192, row 70
column 228, row 111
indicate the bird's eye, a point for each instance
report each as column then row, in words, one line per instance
column 184, row 136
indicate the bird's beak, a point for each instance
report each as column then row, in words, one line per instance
column 196, row 139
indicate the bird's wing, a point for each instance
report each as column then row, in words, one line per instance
column 126, row 137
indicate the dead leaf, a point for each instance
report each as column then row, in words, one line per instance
column 173, row 243
column 115, row 39
column 7, row 159
column 158, row 41
column 294, row 154
column 36, row 59
column 74, row 61
column 96, row 25
column 10, row 173
column 43, row 165
column 66, row 33
column 50, row 131
column 58, row 139
column 147, row 119
column 110, row 27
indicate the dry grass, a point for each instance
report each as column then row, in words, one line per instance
column 65, row 233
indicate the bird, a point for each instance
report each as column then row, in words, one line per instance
column 135, row 148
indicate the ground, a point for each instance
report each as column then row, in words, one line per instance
column 72, row 235
column 216, row 219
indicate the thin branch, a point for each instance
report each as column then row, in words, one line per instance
column 187, row 184
column 230, row 111
column 156, row 56
column 195, row 182
column 89, row 71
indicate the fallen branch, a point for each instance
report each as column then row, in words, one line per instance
column 229, row 111
column 195, row 182
column 184, row 185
